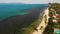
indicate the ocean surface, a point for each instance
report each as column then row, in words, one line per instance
column 7, row 10
column 14, row 17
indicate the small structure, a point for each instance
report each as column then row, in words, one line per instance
column 56, row 14
column 58, row 17
column 54, row 20
column 56, row 31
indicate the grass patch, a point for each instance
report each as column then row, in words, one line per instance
column 57, row 25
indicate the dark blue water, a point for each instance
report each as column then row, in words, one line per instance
column 7, row 10
column 14, row 17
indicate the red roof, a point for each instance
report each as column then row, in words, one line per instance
column 58, row 16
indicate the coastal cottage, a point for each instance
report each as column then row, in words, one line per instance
column 54, row 20
column 58, row 17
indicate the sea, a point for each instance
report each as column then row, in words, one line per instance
column 7, row 10
column 14, row 17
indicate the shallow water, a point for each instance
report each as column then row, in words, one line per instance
column 7, row 10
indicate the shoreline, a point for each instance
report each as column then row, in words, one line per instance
column 20, row 21
column 42, row 24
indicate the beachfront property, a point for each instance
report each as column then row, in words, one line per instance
column 58, row 17
column 56, row 31
column 55, row 15
column 54, row 20
column 57, row 25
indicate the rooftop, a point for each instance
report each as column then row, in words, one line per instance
column 58, row 16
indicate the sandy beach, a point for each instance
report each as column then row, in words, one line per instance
column 42, row 23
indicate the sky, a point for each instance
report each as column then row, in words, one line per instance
column 30, row 1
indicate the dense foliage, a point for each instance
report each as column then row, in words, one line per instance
column 49, row 28
column 55, row 6
column 51, row 25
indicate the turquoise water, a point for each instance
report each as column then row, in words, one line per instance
column 57, row 31
column 7, row 10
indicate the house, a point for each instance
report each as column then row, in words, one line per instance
column 54, row 20
column 58, row 17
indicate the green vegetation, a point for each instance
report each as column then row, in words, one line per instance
column 45, row 18
column 51, row 25
column 55, row 6
column 49, row 28
column 57, row 25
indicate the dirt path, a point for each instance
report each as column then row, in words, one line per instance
column 40, row 31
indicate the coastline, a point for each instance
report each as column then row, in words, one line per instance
column 42, row 24
column 15, row 21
